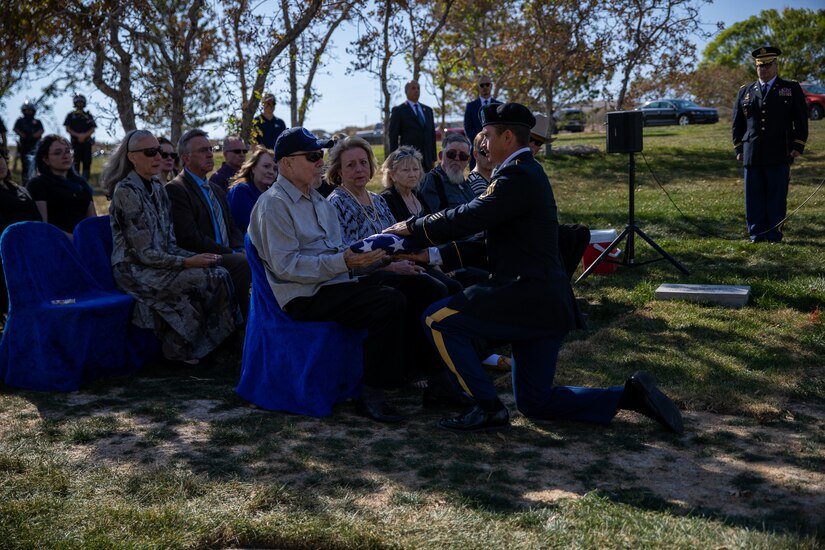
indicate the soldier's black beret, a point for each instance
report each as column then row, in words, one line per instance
column 507, row 113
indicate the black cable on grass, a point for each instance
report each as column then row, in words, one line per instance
column 705, row 232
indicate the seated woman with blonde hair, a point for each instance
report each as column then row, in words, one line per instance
column 186, row 298
column 255, row 176
column 362, row 213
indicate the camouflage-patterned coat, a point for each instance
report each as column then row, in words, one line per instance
column 190, row 309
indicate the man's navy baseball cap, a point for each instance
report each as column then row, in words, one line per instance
column 297, row 140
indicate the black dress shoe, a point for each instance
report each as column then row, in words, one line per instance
column 378, row 410
column 439, row 397
column 641, row 395
column 477, row 420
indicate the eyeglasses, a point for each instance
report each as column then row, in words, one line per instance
column 485, row 84
column 536, row 142
column 61, row 153
column 452, row 154
column 312, row 156
column 165, row 155
column 149, row 151
column 237, row 151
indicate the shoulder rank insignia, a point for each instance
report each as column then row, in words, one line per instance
column 489, row 189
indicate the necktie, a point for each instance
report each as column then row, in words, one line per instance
column 420, row 113
column 764, row 90
column 223, row 236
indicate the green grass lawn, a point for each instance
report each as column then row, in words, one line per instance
column 173, row 458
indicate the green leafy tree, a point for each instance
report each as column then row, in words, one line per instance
column 800, row 33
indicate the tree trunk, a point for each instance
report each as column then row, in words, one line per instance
column 385, row 89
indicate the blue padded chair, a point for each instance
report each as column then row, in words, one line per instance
column 63, row 328
column 92, row 238
column 295, row 366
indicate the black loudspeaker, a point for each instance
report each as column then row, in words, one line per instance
column 624, row 132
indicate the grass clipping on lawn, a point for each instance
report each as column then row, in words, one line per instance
column 173, row 458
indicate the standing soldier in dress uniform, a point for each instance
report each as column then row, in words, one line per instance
column 770, row 127
column 527, row 300
column 81, row 125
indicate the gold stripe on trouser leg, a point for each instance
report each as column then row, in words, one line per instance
column 440, row 315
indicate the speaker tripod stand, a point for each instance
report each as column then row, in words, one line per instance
column 630, row 231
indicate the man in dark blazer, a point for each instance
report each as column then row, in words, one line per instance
column 770, row 128
column 472, row 124
column 412, row 123
column 527, row 300
column 200, row 213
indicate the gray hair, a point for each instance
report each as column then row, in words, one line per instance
column 119, row 165
column 454, row 138
column 228, row 139
column 189, row 135
column 402, row 154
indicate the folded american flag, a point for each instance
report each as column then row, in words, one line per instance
column 392, row 244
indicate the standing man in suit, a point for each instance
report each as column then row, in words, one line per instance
column 472, row 124
column 200, row 213
column 412, row 123
column 527, row 300
column 770, row 128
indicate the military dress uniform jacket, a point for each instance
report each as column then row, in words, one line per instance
column 527, row 285
column 766, row 130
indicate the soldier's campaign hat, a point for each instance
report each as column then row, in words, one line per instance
column 514, row 114
column 765, row 54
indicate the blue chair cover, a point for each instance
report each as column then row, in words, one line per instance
column 63, row 328
column 92, row 238
column 295, row 366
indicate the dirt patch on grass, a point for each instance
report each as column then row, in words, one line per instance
column 725, row 466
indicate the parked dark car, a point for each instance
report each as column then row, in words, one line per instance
column 677, row 111
column 815, row 98
column 568, row 119
column 450, row 128
column 374, row 136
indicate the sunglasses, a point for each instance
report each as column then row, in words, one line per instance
column 537, row 142
column 312, row 156
column 452, row 154
column 764, row 65
column 149, row 151
column 238, row 151
column 165, row 155
column 485, row 84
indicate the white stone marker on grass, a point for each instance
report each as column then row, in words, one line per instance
column 723, row 295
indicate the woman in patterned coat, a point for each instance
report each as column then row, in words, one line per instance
column 186, row 298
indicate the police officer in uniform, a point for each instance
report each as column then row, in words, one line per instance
column 81, row 125
column 770, row 127
column 29, row 130
column 527, row 300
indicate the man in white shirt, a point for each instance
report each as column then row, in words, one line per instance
column 298, row 238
